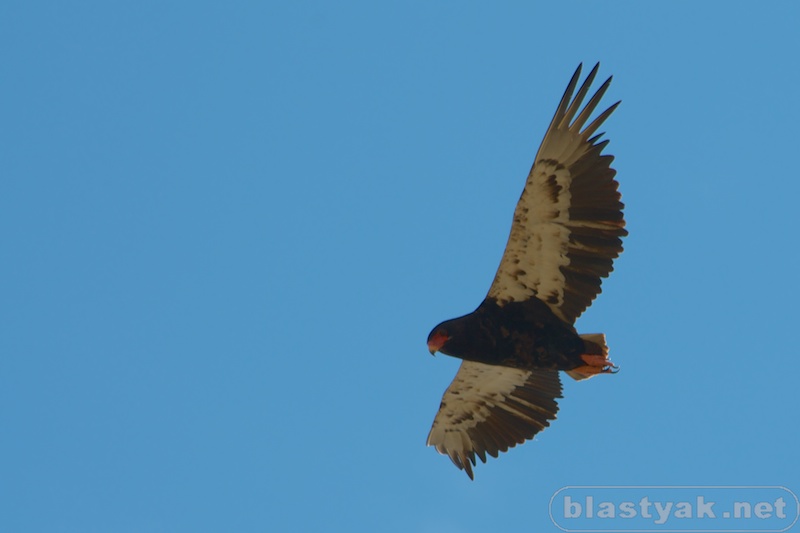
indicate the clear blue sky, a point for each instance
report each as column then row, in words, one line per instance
column 227, row 229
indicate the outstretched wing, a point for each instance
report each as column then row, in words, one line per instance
column 568, row 223
column 489, row 409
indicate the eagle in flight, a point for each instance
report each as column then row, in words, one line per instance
column 566, row 232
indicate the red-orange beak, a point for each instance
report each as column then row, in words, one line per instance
column 436, row 341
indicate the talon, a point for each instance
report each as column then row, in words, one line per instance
column 596, row 364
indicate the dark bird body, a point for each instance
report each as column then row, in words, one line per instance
column 525, row 335
column 566, row 232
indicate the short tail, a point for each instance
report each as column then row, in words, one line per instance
column 595, row 344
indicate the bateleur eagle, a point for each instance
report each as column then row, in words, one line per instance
column 566, row 232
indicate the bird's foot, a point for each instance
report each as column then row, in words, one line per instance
column 596, row 364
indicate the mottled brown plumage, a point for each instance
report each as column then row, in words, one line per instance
column 566, row 232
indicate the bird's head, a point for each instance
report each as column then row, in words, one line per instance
column 452, row 337
column 438, row 339
column 460, row 337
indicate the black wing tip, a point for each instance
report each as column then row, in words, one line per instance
column 465, row 462
column 595, row 68
column 592, row 72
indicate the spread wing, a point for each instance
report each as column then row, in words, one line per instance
column 568, row 223
column 489, row 409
